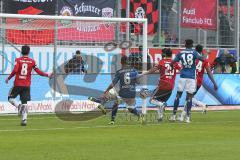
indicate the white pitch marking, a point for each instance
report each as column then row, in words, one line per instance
column 113, row 126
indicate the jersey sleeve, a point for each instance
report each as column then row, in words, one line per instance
column 177, row 66
column 198, row 56
column 177, row 58
column 116, row 78
column 16, row 66
column 38, row 71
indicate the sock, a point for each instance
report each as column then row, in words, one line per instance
column 156, row 102
column 13, row 102
column 114, row 112
column 134, row 111
column 24, row 112
column 160, row 112
column 176, row 104
column 189, row 106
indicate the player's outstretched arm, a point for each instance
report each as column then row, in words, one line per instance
column 200, row 57
column 10, row 76
column 152, row 70
column 41, row 73
column 14, row 71
column 210, row 75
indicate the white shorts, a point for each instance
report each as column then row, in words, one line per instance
column 112, row 94
column 187, row 84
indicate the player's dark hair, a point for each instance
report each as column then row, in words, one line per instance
column 168, row 52
column 124, row 60
column 199, row 48
column 140, row 48
column 188, row 43
column 164, row 52
column 25, row 50
column 78, row 52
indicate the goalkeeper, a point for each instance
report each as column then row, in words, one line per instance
column 76, row 64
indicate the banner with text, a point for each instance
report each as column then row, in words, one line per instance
column 86, row 30
column 196, row 15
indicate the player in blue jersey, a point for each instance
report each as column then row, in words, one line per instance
column 127, row 78
column 187, row 81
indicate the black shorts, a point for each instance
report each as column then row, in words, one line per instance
column 23, row 92
column 162, row 95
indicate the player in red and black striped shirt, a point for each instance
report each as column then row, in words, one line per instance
column 22, row 71
column 201, row 66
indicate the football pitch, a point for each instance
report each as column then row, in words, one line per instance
column 214, row 136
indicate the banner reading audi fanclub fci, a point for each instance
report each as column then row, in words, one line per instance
column 196, row 15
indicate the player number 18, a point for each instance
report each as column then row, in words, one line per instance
column 187, row 60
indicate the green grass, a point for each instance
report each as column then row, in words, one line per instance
column 215, row 136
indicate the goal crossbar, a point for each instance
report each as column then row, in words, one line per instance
column 50, row 17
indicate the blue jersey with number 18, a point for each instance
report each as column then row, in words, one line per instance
column 127, row 78
column 188, row 58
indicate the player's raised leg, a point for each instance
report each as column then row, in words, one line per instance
column 160, row 107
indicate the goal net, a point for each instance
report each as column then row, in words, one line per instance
column 56, row 43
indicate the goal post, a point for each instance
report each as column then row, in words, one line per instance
column 66, row 34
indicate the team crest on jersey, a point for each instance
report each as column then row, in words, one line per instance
column 139, row 13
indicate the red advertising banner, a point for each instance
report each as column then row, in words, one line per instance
column 199, row 14
column 23, row 31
